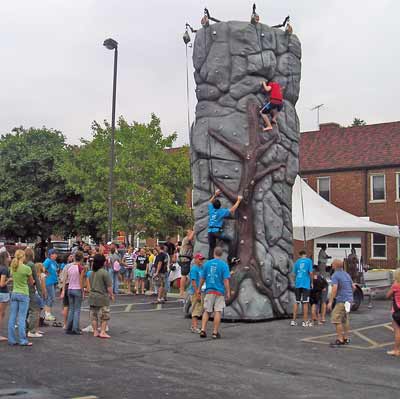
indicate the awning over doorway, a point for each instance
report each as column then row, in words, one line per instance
column 314, row 217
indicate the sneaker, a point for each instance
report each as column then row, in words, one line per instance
column 309, row 323
column 34, row 335
column 88, row 329
column 293, row 323
column 195, row 330
column 304, row 323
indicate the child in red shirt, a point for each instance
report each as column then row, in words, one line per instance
column 394, row 293
column 274, row 105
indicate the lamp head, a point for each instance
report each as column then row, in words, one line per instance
column 111, row 44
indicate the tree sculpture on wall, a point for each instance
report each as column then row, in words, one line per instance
column 250, row 155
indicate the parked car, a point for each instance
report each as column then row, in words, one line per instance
column 63, row 250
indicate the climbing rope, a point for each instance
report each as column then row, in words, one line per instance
column 186, row 39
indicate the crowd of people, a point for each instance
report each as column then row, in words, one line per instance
column 103, row 271
column 98, row 273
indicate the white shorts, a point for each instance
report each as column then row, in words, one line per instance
column 214, row 303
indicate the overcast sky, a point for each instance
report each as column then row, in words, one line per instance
column 55, row 71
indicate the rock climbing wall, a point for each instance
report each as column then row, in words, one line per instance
column 230, row 151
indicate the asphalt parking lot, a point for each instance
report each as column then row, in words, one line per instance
column 152, row 354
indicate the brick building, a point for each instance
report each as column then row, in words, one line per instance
column 358, row 170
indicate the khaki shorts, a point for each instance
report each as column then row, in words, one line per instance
column 197, row 306
column 214, row 303
column 159, row 281
column 339, row 314
column 101, row 313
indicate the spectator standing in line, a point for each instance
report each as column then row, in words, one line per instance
column 302, row 271
column 99, row 297
column 394, row 293
column 75, row 278
column 5, row 278
column 342, row 292
column 323, row 269
column 114, row 264
column 170, row 246
column 41, row 249
column 19, row 304
column 51, row 268
column 142, row 269
column 152, row 270
column 322, row 260
column 216, row 275
column 34, row 302
column 197, row 299
column 352, row 264
column 185, row 259
column 161, row 264
column 64, row 289
column 128, row 261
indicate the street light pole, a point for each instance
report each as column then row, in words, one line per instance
column 111, row 44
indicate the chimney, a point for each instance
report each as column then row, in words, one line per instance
column 329, row 125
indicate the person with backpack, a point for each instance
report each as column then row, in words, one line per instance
column 394, row 293
column 319, row 287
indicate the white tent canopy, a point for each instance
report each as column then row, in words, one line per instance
column 315, row 217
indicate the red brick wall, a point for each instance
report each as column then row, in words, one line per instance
column 350, row 191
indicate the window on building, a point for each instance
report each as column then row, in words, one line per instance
column 378, row 190
column 398, row 186
column 378, row 246
column 324, row 187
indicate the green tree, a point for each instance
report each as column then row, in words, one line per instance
column 34, row 199
column 150, row 181
column 358, row 122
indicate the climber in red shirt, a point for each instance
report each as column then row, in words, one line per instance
column 274, row 104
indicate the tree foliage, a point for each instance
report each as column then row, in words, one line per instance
column 358, row 122
column 34, row 199
column 150, row 181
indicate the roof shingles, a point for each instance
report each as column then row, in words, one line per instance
column 335, row 147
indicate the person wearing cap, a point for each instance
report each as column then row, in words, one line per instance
column 216, row 275
column 51, row 268
column 342, row 292
column 195, row 291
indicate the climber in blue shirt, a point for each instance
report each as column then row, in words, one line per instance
column 215, row 225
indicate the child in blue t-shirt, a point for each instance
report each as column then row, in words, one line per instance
column 195, row 289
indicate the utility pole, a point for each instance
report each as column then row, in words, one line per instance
column 317, row 108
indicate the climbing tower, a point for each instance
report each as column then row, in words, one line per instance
column 230, row 152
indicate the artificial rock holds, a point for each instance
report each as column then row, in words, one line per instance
column 230, row 151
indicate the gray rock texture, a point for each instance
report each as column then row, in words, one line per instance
column 230, row 60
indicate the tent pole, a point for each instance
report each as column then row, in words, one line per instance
column 302, row 210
